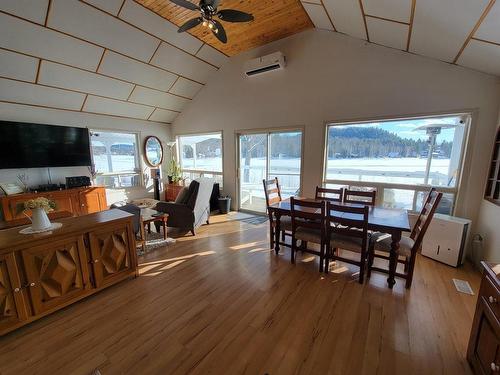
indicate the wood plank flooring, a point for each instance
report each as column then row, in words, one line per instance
column 223, row 303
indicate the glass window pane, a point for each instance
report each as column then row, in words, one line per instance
column 396, row 151
column 114, row 152
column 398, row 198
column 285, row 161
column 253, row 169
column 445, row 206
column 201, row 152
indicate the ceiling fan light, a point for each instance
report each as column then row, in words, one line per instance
column 216, row 31
column 205, row 23
column 210, row 25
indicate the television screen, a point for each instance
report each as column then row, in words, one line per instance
column 25, row 145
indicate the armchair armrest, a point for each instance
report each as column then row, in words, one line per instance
column 179, row 215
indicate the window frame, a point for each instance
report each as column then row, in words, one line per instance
column 137, row 159
column 381, row 186
column 200, row 172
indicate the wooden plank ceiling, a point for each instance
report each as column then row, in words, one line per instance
column 273, row 20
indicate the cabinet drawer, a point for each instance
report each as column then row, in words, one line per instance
column 491, row 296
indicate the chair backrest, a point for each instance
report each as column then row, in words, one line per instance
column 272, row 191
column 424, row 219
column 348, row 221
column 360, row 197
column 329, row 195
column 307, row 213
column 201, row 204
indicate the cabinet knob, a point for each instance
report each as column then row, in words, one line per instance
column 494, row 367
column 17, row 290
column 96, row 261
column 32, row 284
column 492, row 299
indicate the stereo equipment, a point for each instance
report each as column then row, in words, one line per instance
column 77, row 181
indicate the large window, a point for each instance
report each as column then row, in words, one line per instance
column 201, row 155
column 400, row 158
column 265, row 156
column 115, row 158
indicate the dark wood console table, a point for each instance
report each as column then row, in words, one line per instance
column 45, row 272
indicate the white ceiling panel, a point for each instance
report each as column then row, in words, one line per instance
column 88, row 23
column 110, row 6
column 182, row 63
column 29, row 93
column 36, row 40
column 398, row 10
column 62, row 76
column 490, row 27
column 481, row 56
column 346, row 16
column 114, row 107
column 148, row 21
column 185, row 87
column 318, row 16
column 163, row 115
column 33, row 10
column 17, row 66
column 122, row 67
column 158, row 99
column 441, row 27
column 387, row 33
column 212, row 56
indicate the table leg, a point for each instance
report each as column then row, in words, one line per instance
column 277, row 234
column 393, row 261
column 164, row 223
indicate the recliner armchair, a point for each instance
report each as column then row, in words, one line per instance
column 191, row 209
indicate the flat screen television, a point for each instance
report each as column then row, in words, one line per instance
column 24, row 145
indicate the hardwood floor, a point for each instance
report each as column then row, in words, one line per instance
column 223, row 303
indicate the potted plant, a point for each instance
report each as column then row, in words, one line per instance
column 174, row 172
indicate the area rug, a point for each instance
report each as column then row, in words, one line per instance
column 154, row 241
column 255, row 220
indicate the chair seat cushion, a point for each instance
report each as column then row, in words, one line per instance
column 285, row 223
column 308, row 235
column 338, row 241
column 382, row 242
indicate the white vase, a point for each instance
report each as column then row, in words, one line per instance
column 39, row 219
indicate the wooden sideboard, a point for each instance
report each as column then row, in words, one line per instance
column 78, row 201
column 483, row 352
column 45, row 272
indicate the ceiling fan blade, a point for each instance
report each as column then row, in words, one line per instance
column 185, row 4
column 190, row 24
column 220, row 33
column 214, row 3
column 232, row 15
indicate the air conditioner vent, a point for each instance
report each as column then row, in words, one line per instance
column 265, row 64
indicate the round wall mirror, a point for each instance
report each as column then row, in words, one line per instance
column 153, row 151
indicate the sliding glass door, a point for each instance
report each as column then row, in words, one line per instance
column 266, row 156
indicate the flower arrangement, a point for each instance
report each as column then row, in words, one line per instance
column 174, row 171
column 42, row 202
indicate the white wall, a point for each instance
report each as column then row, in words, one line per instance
column 488, row 222
column 37, row 176
column 332, row 77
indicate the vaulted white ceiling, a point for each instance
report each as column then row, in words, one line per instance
column 463, row 32
column 110, row 57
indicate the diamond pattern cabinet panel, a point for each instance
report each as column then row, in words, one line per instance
column 111, row 255
column 56, row 273
column 12, row 308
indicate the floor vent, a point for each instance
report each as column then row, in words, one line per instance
column 463, row 286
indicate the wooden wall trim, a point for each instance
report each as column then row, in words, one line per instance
column 387, row 19
column 410, row 30
column 364, row 19
column 474, row 29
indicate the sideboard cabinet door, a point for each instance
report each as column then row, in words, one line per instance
column 56, row 273
column 12, row 307
column 110, row 249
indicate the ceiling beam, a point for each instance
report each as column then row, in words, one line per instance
column 364, row 19
column 473, row 31
column 410, row 30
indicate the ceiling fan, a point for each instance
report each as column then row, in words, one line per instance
column 208, row 10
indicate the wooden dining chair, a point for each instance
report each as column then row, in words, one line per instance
column 347, row 229
column 360, row 197
column 308, row 225
column 331, row 195
column 408, row 246
column 272, row 191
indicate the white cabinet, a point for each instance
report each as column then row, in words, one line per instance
column 446, row 239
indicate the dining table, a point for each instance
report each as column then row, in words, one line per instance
column 393, row 221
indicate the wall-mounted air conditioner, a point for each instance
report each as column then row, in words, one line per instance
column 446, row 238
column 265, row 64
